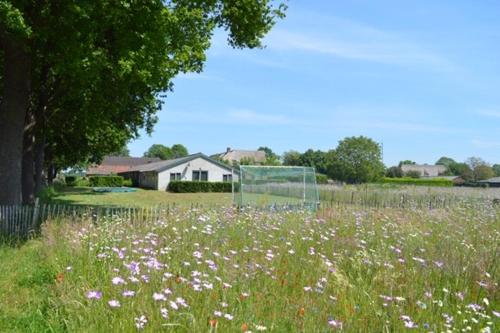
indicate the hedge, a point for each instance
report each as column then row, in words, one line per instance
column 76, row 181
column 70, row 180
column 418, row 181
column 321, row 178
column 106, row 181
column 178, row 186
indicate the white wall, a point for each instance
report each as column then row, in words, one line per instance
column 215, row 172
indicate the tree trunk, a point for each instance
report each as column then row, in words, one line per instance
column 51, row 173
column 40, row 182
column 13, row 106
column 28, row 185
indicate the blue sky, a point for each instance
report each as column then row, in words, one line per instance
column 422, row 77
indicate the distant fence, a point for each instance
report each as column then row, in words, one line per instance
column 386, row 199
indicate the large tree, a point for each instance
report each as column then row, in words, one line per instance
column 496, row 168
column 179, row 150
column 271, row 157
column 292, row 158
column 356, row 160
column 160, row 151
column 91, row 72
column 446, row 161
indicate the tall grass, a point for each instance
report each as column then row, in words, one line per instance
column 348, row 268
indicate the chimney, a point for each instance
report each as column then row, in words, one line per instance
column 228, row 149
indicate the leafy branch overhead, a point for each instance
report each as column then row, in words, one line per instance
column 97, row 70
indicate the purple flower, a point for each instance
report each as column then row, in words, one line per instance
column 335, row 323
column 128, row 293
column 159, row 297
column 94, row 294
column 118, row 280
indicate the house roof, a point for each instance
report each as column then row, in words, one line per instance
column 491, row 180
column 168, row 164
column 117, row 164
column 422, row 167
column 238, row 154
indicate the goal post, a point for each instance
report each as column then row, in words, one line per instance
column 271, row 186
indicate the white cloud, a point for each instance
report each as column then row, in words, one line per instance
column 366, row 44
column 490, row 113
column 245, row 116
column 486, row 144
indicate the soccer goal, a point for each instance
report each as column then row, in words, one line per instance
column 271, row 186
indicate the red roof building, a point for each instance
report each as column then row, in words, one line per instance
column 116, row 164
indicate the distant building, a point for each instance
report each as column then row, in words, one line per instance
column 116, row 164
column 235, row 155
column 425, row 170
column 195, row 167
column 492, row 182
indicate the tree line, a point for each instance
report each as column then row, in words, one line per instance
column 79, row 79
column 472, row 169
column 356, row 159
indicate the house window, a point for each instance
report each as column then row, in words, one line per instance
column 200, row 175
column 227, row 178
column 175, row 176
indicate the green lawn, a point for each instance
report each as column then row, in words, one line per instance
column 141, row 198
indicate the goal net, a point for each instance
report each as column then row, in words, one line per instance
column 284, row 186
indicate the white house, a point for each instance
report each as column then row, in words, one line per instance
column 195, row 167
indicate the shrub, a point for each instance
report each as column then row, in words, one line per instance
column 192, row 187
column 47, row 193
column 394, row 172
column 82, row 181
column 128, row 183
column 106, row 181
column 321, row 178
column 421, row 181
column 413, row 174
column 70, row 180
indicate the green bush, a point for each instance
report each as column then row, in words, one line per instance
column 128, row 183
column 394, row 172
column 420, row 181
column 82, row 181
column 106, row 181
column 321, row 178
column 412, row 174
column 178, row 186
column 47, row 193
column 70, row 180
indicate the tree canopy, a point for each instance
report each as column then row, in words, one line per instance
column 496, row 168
column 90, row 74
column 357, row 160
column 446, row 161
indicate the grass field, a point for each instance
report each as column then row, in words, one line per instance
column 141, row 198
column 345, row 268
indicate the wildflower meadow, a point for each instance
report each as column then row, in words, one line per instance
column 343, row 268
